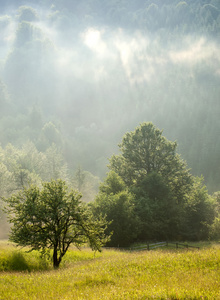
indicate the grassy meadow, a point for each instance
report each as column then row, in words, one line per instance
column 112, row 274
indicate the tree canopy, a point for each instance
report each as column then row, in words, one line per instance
column 165, row 200
column 146, row 151
column 53, row 218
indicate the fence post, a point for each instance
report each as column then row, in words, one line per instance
column 176, row 245
column 148, row 247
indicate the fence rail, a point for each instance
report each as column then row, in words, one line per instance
column 179, row 245
column 161, row 244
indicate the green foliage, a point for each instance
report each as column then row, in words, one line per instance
column 50, row 135
column 21, row 167
column 157, row 209
column 113, row 184
column 199, row 211
column 160, row 58
column 52, row 218
column 116, row 203
column 167, row 202
column 215, row 229
column 54, row 166
column 24, row 166
column 144, row 151
column 215, row 226
column 17, row 262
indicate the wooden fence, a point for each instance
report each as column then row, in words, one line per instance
column 161, row 244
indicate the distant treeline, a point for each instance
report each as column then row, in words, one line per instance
column 78, row 74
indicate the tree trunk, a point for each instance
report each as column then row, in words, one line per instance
column 56, row 261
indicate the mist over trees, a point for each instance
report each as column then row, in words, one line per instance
column 76, row 75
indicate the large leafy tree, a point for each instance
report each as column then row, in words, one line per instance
column 53, row 218
column 168, row 202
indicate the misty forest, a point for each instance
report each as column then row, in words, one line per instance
column 77, row 76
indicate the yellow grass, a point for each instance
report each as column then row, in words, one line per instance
column 160, row 274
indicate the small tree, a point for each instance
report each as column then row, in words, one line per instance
column 53, row 218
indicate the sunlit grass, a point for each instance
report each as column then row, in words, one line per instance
column 160, row 274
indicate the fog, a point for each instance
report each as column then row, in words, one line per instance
column 95, row 82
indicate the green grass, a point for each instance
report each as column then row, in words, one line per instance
column 158, row 274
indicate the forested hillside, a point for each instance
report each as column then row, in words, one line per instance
column 76, row 75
